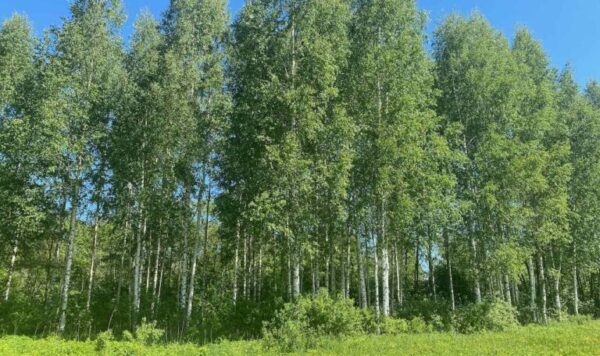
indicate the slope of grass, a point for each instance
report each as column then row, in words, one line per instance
column 556, row 339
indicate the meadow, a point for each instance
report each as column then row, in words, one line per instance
column 567, row 338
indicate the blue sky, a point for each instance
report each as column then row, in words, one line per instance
column 568, row 30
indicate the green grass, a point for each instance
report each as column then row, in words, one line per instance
column 556, row 339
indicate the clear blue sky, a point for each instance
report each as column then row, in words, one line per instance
column 569, row 30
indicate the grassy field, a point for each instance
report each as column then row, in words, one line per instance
column 557, row 339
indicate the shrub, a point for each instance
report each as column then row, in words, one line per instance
column 526, row 314
column 438, row 323
column 579, row 319
column 298, row 326
column 127, row 336
column 103, row 339
column 437, row 314
column 148, row 333
column 368, row 321
column 589, row 307
column 418, row 325
column 394, row 326
column 492, row 315
column 290, row 335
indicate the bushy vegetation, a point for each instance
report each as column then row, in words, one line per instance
column 147, row 334
column 304, row 324
column 300, row 325
column 567, row 338
column 491, row 315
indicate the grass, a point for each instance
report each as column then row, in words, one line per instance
column 556, row 339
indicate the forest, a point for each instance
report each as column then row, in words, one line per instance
column 216, row 176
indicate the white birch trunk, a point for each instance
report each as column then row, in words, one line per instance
column 362, row 285
column 69, row 258
column 92, row 264
column 543, row 288
column 376, row 273
column 11, row 269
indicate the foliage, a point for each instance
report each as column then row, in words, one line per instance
column 393, row 326
column 430, row 311
column 299, row 325
column 187, row 183
column 492, row 315
column 417, row 325
column 148, row 334
column 103, row 339
column 567, row 337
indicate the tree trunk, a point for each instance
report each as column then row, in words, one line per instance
column 259, row 272
column 361, row 274
column 296, row 275
column 476, row 271
column 244, row 267
column 557, row 300
column 205, row 254
column 120, row 281
column 575, row 291
column 449, row 265
column 416, row 272
column 575, row 281
column 137, row 270
column 348, row 267
column 148, row 261
column 191, row 288
column 192, row 282
column 515, row 292
column 376, row 273
column 289, row 272
column 385, row 269
column 330, row 263
column 532, row 304
column 314, row 275
column 431, row 266
column 11, row 269
column 184, row 273
column 385, row 265
column 507, row 289
column 155, row 279
column 92, row 263
column 399, row 295
column 236, row 262
column 69, row 256
column 190, row 298
column 543, row 288
column 557, row 276
column 160, row 279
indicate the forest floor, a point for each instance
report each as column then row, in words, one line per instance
column 556, row 339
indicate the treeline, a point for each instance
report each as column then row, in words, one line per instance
column 204, row 172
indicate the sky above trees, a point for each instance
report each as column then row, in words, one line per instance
column 568, row 30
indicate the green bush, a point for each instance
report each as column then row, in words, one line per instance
column 127, row 336
column 369, row 321
column 579, row 319
column 394, row 326
column 418, row 325
column 298, row 326
column 526, row 314
column 103, row 338
column 439, row 323
column 435, row 313
column 589, row 307
column 148, row 333
column 492, row 315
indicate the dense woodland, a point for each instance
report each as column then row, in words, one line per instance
column 209, row 169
